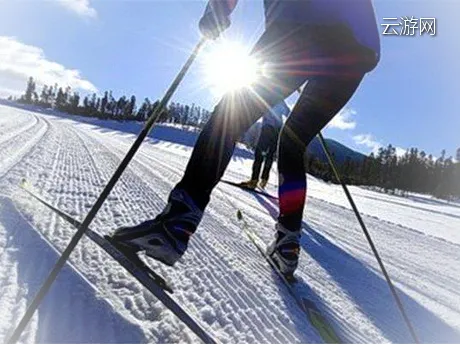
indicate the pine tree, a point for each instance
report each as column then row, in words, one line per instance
column 120, row 107
column 130, row 108
column 93, row 104
column 186, row 115
column 30, row 90
column 144, row 110
column 44, row 96
column 51, row 95
column 456, row 176
column 104, row 102
column 60, row 100
column 35, row 98
column 198, row 117
column 98, row 106
column 86, row 106
column 173, row 113
column 193, row 118
column 74, row 103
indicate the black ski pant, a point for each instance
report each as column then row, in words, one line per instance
column 265, row 152
column 334, row 65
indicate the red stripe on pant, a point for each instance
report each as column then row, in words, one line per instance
column 292, row 201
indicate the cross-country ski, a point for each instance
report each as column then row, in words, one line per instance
column 251, row 190
column 139, row 270
column 326, row 331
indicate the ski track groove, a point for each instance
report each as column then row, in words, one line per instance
column 12, row 154
column 12, row 132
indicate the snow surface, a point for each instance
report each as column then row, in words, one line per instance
column 222, row 278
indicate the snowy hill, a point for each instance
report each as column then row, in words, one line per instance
column 222, row 278
column 341, row 152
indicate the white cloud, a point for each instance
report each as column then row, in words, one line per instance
column 343, row 120
column 368, row 141
column 80, row 7
column 373, row 144
column 19, row 61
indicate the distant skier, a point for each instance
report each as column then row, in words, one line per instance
column 266, row 145
column 330, row 43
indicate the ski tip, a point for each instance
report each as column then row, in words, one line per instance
column 318, row 320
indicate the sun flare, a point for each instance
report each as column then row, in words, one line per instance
column 228, row 67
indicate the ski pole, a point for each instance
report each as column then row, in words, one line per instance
column 106, row 191
column 369, row 239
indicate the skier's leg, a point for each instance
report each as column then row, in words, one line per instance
column 267, row 167
column 258, row 158
column 272, row 141
column 321, row 100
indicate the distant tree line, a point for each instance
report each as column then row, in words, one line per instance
column 415, row 171
column 108, row 107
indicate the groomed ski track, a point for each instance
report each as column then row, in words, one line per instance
column 222, row 278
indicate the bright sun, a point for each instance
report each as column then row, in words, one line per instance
column 228, row 66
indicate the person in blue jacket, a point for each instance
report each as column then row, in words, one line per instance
column 330, row 43
column 265, row 150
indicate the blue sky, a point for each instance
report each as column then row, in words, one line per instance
column 137, row 47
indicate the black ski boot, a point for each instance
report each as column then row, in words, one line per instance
column 285, row 250
column 166, row 237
